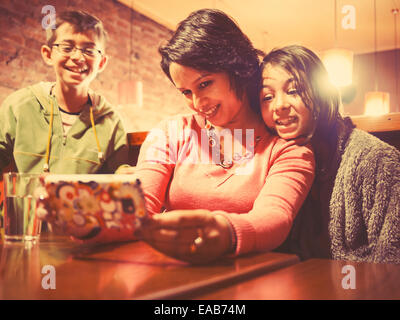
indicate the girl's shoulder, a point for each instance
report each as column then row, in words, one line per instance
column 367, row 145
column 367, row 157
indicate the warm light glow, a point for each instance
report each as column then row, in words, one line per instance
column 130, row 99
column 339, row 63
column 130, row 92
column 376, row 103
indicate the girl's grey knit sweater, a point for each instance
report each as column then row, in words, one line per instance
column 355, row 201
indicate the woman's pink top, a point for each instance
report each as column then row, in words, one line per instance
column 260, row 195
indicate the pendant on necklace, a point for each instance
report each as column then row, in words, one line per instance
column 226, row 164
column 213, row 142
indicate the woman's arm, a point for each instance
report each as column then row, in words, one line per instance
column 155, row 166
column 263, row 228
column 286, row 186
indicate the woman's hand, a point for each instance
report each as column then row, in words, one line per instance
column 196, row 236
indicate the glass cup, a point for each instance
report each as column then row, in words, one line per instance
column 20, row 220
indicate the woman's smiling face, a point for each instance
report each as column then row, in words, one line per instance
column 282, row 107
column 209, row 94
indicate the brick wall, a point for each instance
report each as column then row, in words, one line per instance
column 21, row 64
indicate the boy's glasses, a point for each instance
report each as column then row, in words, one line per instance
column 68, row 50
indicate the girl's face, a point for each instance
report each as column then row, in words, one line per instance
column 282, row 108
column 208, row 94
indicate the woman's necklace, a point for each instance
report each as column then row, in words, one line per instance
column 216, row 149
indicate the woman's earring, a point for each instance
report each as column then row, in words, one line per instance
column 315, row 115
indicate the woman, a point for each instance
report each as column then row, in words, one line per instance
column 228, row 184
column 353, row 210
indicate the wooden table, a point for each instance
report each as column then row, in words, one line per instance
column 118, row 271
column 317, row 279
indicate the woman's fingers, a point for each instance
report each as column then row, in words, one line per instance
column 180, row 219
column 194, row 236
column 174, row 243
column 167, row 236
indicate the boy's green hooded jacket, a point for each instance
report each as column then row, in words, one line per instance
column 24, row 134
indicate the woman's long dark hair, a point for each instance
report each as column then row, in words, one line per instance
column 311, row 81
column 209, row 40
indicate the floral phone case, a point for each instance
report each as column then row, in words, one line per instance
column 83, row 205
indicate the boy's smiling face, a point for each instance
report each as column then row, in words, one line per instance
column 75, row 69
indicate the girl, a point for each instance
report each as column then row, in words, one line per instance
column 353, row 209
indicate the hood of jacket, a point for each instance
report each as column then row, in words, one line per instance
column 100, row 105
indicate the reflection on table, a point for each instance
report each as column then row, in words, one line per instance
column 133, row 270
column 318, row 279
column 117, row 271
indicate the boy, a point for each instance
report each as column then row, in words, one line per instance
column 64, row 127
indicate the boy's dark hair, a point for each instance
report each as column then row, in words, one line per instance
column 312, row 83
column 81, row 22
column 209, row 40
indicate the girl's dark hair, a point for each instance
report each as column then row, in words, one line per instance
column 311, row 81
column 209, row 40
